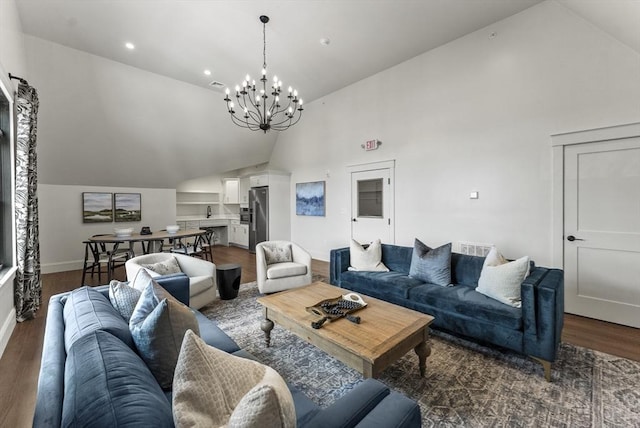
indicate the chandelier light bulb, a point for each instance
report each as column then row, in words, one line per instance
column 260, row 112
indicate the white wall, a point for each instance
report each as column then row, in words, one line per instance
column 473, row 115
column 12, row 60
column 62, row 230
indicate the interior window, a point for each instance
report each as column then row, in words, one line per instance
column 370, row 198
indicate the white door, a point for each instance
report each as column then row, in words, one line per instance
column 602, row 230
column 372, row 206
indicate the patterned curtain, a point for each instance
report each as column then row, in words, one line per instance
column 28, row 286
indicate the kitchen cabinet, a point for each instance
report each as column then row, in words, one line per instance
column 245, row 185
column 231, row 189
column 238, row 234
column 243, row 238
column 259, row 180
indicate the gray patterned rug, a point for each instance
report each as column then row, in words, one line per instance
column 466, row 384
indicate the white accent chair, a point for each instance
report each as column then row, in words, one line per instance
column 201, row 273
column 281, row 265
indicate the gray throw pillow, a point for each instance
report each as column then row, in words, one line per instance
column 166, row 267
column 123, row 297
column 432, row 265
column 277, row 253
column 158, row 325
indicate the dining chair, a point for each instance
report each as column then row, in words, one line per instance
column 206, row 243
column 97, row 256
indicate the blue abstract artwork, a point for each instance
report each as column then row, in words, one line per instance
column 310, row 198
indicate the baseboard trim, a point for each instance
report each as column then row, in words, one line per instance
column 8, row 325
column 61, row 266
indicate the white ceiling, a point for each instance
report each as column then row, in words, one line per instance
column 181, row 38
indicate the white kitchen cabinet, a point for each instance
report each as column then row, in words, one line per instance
column 259, row 180
column 245, row 185
column 243, row 235
column 231, row 189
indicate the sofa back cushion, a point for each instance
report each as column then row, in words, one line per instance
column 87, row 310
column 466, row 269
column 397, row 258
column 107, row 384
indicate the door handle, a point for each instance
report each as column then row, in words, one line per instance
column 353, row 219
column 572, row 238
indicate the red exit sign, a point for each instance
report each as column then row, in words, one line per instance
column 370, row 145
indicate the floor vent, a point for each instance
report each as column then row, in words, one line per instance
column 473, row 248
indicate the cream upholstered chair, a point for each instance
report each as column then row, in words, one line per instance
column 281, row 265
column 201, row 273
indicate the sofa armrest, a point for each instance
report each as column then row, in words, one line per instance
column 340, row 260
column 543, row 312
column 350, row 409
column 50, row 394
column 194, row 266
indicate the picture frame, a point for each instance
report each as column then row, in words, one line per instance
column 97, row 207
column 127, row 207
column 310, row 199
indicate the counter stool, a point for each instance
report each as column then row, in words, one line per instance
column 228, row 278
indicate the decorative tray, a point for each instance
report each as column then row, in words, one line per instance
column 339, row 307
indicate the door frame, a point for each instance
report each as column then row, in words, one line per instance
column 363, row 167
column 559, row 142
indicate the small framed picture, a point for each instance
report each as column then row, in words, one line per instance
column 97, row 207
column 128, row 206
column 310, row 198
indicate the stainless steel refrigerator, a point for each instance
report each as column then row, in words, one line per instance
column 258, row 216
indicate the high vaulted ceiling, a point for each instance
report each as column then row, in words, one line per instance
column 181, row 38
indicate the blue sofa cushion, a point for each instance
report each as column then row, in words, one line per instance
column 87, row 310
column 432, row 265
column 397, row 258
column 464, row 300
column 380, row 284
column 107, row 385
column 466, row 269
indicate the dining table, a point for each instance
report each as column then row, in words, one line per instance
column 147, row 241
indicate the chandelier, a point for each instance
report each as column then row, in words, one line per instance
column 264, row 108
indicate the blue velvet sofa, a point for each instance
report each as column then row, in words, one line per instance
column 116, row 402
column 534, row 329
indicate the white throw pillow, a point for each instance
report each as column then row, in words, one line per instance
column 165, row 267
column 501, row 280
column 366, row 260
column 123, row 297
column 212, row 388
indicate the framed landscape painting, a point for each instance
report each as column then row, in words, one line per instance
column 97, row 207
column 310, row 198
column 128, row 206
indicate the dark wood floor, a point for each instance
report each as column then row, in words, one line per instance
column 20, row 362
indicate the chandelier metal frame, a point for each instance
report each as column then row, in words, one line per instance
column 261, row 109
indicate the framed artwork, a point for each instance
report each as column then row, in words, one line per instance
column 310, row 198
column 97, row 207
column 128, row 207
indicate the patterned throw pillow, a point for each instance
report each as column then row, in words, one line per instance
column 279, row 253
column 369, row 259
column 166, row 267
column 123, row 298
column 158, row 324
column 502, row 280
column 432, row 265
column 212, row 388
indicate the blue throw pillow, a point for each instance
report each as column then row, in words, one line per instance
column 432, row 265
column 158, row 325
column 107, row 385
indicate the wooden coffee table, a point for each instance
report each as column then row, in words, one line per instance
column 385, row 334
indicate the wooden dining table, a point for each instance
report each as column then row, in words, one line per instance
column 147, row 240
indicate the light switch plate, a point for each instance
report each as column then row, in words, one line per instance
column 474, row 195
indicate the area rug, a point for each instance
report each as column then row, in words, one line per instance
column 466, row 384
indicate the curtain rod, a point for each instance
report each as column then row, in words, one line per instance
column 19, row 79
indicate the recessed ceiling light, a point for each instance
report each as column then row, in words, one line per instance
column 207, row 72
column 130, row 45
column 325, row 41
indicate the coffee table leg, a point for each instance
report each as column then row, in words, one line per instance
column 423, row 350
column 267, row 325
